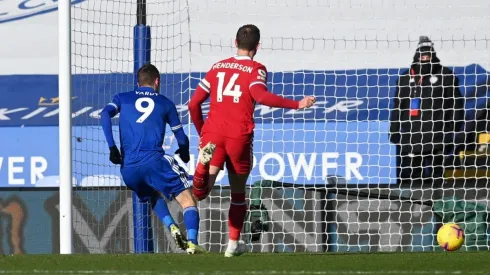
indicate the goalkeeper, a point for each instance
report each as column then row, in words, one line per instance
column 145, row 168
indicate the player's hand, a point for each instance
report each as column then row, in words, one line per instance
column 307, row 102
column 183, row 154
column 115, row 156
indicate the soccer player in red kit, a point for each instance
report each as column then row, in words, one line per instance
column 234, row 85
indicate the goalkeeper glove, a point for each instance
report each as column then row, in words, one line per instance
column 115, row 156
column 183, row 154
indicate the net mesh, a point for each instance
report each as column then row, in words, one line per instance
column 325, row 178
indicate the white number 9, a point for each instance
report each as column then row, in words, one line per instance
column 145, row 110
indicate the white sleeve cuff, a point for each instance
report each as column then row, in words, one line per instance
column 203, row 86
column 175, row 128
column 114, row 105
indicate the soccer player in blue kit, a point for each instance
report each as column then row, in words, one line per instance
column 145, row 168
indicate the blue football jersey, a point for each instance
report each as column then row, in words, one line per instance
column 143, row 115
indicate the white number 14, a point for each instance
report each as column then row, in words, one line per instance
column 230, row 90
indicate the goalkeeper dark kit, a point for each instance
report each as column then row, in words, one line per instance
column 428, row 109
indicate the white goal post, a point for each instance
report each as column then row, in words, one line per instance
column 65, row 125
column 325, row 178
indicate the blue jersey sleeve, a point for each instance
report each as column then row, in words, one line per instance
column 116, row 103
column 174, row 121
column 173, row 118
column 109, row 111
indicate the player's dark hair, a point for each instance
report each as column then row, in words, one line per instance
column 148, row 74
column 248, row 37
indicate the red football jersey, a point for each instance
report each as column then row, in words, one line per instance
column 233, row 85
column 232, row 106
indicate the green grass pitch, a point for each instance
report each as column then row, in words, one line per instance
column 280, row 263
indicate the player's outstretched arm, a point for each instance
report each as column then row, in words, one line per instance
column 258, row 91
column 195, row 110
column 109, row 111
column 261, row 95
column 182, row 139
column 306, row 102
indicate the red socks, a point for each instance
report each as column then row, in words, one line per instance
column 200, row 182
column 236, row 215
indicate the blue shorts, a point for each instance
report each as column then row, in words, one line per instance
column 163, row 176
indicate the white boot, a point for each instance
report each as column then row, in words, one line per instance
column 206, row 153
column 235, row 248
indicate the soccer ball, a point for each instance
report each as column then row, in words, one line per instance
column 450, row 236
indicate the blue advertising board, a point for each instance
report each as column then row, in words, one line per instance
column 348, row 95
column 284, row 152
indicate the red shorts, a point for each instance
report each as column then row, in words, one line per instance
column 236, row 152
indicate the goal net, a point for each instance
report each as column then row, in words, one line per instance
column 326, row 178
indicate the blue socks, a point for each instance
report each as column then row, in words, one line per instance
column 191, row 221
column 191, row 218
column 161, row 210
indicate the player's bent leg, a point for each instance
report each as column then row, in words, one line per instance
column 136, row 180
column 160, row 207
column 214, row 166
column 191, row 221
column 236, row 215
column 170, row 180
column 213, row 174
column 204, row 191
column 200, row 182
